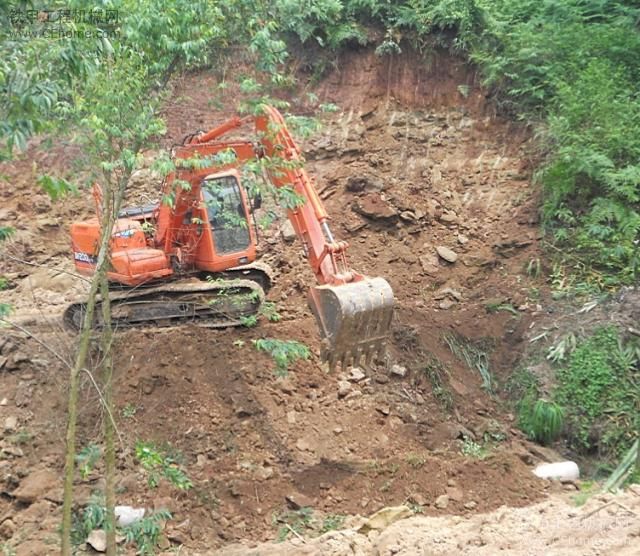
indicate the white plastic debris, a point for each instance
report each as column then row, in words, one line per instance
column 126, row 515
column 562, row 471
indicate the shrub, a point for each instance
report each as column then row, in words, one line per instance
column 599, row 390
column 158, row 463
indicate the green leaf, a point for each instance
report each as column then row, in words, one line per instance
column 6, row 232
column 56, row 188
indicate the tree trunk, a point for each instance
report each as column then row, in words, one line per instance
column 106, row 338
column 81, row 357
column 109, row 414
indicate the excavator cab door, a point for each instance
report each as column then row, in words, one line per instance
column 226, row 211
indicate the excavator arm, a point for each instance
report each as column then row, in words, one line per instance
column 353, row 312
column 327, row 257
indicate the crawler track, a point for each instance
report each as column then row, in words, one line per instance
column 221, row 302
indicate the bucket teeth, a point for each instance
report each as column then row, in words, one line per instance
column 354, row 320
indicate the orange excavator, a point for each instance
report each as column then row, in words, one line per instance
column 192, row 258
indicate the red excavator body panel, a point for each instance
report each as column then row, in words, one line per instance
column 133, row 262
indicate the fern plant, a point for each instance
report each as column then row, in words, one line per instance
column 284, row 352
column 543, row 420
column 87, row 459
column 145, row 533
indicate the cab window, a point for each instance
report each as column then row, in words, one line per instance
column 226, row 213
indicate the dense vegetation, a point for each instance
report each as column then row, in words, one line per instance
column 598, row 385
column 595, row 403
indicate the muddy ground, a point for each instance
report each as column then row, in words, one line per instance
column 414, row 161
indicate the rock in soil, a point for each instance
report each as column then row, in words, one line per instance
column 447, row 254
column 13, row 451
column 372, row 206
column 264, row 473
column 296, row 501
column 358, row 184
column 399, row 370
column 35, row 486
column 449, row 217
column 97, row 540
column 356, row 375
column 429, row 264
column 446, row 304
column 455, row 494
column 7, row 529
column 344, row 388
column 448, row 292
column 385, row 517
column 23, row 394
column 287, row 231
column 126, row 515
column 10, row 423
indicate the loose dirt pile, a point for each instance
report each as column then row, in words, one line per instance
column 606, row 525
column 433, row 193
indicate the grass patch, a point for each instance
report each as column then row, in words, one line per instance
column 332, row 522
column 20, row 438
column 473, row 449
column 415, row 460
column 304, row 522
column 474, row 354
column 521, row 382
column 436, row 373
column 587, row 490
column 541, row 419
column 496, row 307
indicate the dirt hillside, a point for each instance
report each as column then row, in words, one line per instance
column 433, row 193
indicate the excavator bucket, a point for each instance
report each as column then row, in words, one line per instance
column 354, row 320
